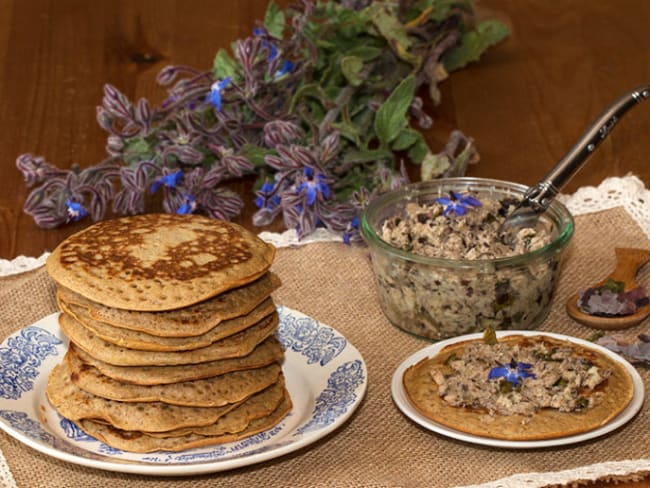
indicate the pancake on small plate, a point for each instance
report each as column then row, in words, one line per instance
column 519, row 388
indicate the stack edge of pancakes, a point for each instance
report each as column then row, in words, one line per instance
column 171, row 326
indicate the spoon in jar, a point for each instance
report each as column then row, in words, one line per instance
column 628, row 263
column 538, row 197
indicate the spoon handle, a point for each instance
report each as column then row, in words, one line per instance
column 541, row 195
column 628, row 262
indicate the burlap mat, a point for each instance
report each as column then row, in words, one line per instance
column 378, row 446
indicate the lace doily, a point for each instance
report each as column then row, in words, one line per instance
column 628, row 192
column 613, row 470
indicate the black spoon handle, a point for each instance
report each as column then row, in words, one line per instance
column 540, row 196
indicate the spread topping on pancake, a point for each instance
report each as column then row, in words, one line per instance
column 520, row 387
column 521, row 378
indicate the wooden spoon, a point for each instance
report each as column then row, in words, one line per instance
column 628, row 263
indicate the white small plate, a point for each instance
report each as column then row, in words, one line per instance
column 404, row 404
column 325, row 375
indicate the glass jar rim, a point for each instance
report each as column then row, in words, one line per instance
column 558, row 212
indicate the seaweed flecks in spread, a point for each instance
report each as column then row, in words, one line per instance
column 438, row 301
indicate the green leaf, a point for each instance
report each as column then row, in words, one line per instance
column 367, row 155
column 434, row 166
column 405, row 139
column 312, row 90
column 137, row 149
column 224, row 65
column 419, row 150
column 391, row 116
column 351, row 67
column 274, row 20
column 349, row 131
column 474, row 43
column 255, row 154
column 366, row 53
column 386, row 20
column 388, row 24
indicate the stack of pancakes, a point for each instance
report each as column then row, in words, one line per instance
column 171, row 326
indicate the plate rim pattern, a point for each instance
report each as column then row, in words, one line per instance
column 318, row 355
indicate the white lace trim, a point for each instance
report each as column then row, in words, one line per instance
column 585, row 473
column 21, row 264
column 627, row 192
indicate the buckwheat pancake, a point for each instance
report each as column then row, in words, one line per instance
column 184, row 322
column 157, row 262
column 237, row 345
column 139, row 340
column 257, row 406
column 209, row 392
column 135, row 441
column 267, row 352
column 74, row 404
column 610, row 397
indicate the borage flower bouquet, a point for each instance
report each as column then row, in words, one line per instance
column 318, row 102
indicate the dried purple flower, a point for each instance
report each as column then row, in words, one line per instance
column 611, row 299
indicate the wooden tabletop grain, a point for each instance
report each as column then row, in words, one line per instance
column 525, row 103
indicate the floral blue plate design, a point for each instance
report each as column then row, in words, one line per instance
column 404, row 404
column 325, row 375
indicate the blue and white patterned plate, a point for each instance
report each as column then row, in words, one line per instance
column 325, row 375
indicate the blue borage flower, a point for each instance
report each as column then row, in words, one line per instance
column 215, row 92
column 457, row 203
column 273, row 51
column 263, row 200
column 169, row 180
column 314, row 185
column 513, row 373
column 75, row 210
column 352, row 230
column 287, row 67
column 188, row 206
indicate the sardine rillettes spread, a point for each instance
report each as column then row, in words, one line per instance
column 519, row 386
column 555, row 377
column 439, row 302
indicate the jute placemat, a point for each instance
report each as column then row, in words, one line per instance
column 378, row 446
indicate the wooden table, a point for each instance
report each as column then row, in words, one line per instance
column 525, row 103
